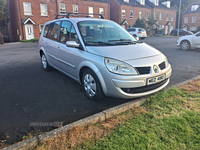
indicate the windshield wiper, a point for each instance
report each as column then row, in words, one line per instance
column 100, row 42
column 121, row 40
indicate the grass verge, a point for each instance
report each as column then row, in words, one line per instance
column 32, row 40
column 168, row 120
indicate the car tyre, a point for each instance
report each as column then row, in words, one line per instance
column 44, row 63
column 185, row 45
column 92, row 86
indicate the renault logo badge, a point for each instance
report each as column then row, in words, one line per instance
column 155, row 68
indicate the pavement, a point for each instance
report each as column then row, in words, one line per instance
column 29, row 94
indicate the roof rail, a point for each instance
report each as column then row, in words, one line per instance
column 77, row 14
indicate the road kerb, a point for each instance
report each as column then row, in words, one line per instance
column 99, row 117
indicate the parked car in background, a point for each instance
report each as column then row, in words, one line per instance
column 181, row 32
column 104, row 58
column 189, row 41
column 138, row 32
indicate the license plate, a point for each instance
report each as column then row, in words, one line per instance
column 143, row 35
column 156, row 79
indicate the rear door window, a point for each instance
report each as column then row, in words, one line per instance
column 53, row 30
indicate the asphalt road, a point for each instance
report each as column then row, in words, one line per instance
column 29, row 94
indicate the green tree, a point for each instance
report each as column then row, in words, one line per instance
column 140, row 23
column 4, row 18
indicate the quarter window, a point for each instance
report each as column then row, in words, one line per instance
column 27, row 8
column 62, row 8
column 44, row 11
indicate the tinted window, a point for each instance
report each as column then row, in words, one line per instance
column 53, row 30
column 65, row 31
column 142, row 30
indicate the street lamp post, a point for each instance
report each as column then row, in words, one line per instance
column 179, row 17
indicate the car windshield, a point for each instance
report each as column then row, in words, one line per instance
column 104, row 33
column 141, row 30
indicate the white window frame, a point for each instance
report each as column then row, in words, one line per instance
column 194, row 7
column 155, row 15
column 156, row 2
column 194, row 18
column 142, row 2
column 43, row 11
column 186, row 20
column 140, row 15
column 172, row 19
column 100, row 11
column 126, row 1
column 147, row 16
column 27, row 12
column 160, row 16
column 62, row 10
column 92, row 8
column 41, row 25
column 75, row 6
column 167, row 17
column 124, row 13
column 131, row 16
column 193, row 28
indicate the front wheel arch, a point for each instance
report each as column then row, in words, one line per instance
column 185, row 45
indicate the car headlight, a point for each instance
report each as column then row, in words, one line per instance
column 119, row 67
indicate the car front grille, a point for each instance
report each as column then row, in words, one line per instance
column 144, row 88
column 162, row 65
column 143, row 70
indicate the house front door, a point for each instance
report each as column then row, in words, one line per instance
column 166, row 29
column 29, row 31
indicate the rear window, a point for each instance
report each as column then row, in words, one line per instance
column 141, row 30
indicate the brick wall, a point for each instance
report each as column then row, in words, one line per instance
column 190, row 24
column 53, row 8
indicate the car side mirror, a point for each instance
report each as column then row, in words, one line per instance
column 72, row 44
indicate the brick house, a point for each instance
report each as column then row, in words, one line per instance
column 191, row 17
column 126, row 12
column 27, row 17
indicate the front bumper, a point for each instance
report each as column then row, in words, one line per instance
column 115, row 84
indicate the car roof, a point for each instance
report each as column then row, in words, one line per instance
column 75, row 20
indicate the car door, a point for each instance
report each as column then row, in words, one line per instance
column 196, row 40
column 51, row 42
column 68, row 57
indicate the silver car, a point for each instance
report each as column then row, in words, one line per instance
column 103, row 57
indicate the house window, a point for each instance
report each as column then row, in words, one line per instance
column 160, row 16
column 186, row 20
column 123, row 13
column 27, row 8
column 44, row 11
column 131, row 14
column 194, row 7
column 91, row 10
column 194, row 19
column 41, row 27
column 172, row 19
column 167, row 17
column 155, row 15
column 75, row 9
column 147, row 16
column 101, row 11
column 126, row 1
column 140, row 15
column 156, row 2
column 62, row 8
column 193, row 28
column 142, row 2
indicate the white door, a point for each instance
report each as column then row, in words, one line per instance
column 171, row 28
column 166, row 29
column 29, row 31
